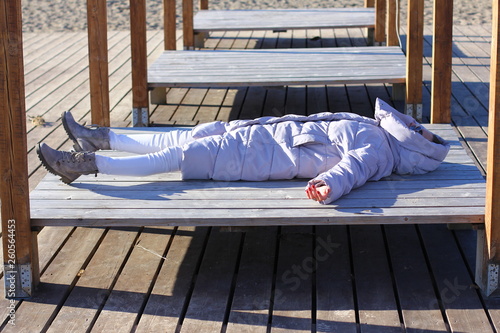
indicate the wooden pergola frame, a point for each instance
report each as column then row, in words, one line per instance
column 21, row 273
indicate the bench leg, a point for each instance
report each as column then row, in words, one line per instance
column 159, row 96
column 399, row 92
column 487, row 271
column 370, row 33
column 199, row 39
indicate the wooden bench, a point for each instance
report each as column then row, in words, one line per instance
column 378, row 16
column 279, row 20
column 455, row 193
column 277, row 68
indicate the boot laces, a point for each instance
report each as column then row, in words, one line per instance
column 75, row 157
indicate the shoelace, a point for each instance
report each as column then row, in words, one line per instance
column 74, row 157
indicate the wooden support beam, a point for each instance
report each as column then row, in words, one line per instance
column 414, row 58
column 140, row 100
column 203, row 4
column 98, row 61
column 380, row 18
column 169, row 22
column 488, row 261
column 442, row 61
column 187, row 23
column 392, row 23
column 370, row 31
column 19, row 253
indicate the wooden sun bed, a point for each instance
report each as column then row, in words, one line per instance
column 277, row 20
column 455, row 193
column 283, row 19
column 375, row 16
column 277, row 68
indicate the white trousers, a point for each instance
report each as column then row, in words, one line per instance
column 158, row 153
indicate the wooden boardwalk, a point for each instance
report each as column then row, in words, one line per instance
column 378, row 278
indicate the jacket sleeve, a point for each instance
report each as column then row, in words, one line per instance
column 370, row 158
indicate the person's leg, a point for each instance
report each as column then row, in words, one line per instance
column 166, row 160
column 102, row 138
column 149, row 143
column 71, row 165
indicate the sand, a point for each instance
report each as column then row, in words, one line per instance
column 70, row 15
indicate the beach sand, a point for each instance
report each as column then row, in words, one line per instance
column 70, row 15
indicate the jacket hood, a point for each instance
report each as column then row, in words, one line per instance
column 412, row 152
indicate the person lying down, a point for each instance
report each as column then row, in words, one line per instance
column 337, row 151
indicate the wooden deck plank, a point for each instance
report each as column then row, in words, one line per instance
column 209, row 302
column 95, row 283
column 377, row 306
column 44, row 63
column 283, row 19
column 335, row 304
column 166, row 114
column 253, row 289
column 459, row 298
column 292, row 299
column 132, row 288
column 42, row 47
column 50, row 241
column 467, row 241
column 37, row 313
column 172, row 290
column 418, row 301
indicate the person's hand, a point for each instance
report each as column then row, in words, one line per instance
column 317, row 190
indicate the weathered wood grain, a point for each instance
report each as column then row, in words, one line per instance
column 283, row 19
column 204, row 68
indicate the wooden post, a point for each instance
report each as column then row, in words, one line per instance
column 370, row 33
column 203, row 4
column 19, row 253
column 98, row 61
column 488, row 260
column 442, row 61
column 414, row 58
column 392, row 23
column 187, row 23
column 169, row 22
column 380, row 14
column 140, row 100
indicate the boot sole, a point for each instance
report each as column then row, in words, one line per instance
column 64, row 179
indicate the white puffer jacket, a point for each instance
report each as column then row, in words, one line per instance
column 343, row 149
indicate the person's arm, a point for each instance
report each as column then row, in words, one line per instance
column 371, row 159
column 317, row 190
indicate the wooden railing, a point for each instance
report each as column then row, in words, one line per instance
column 22, row 264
